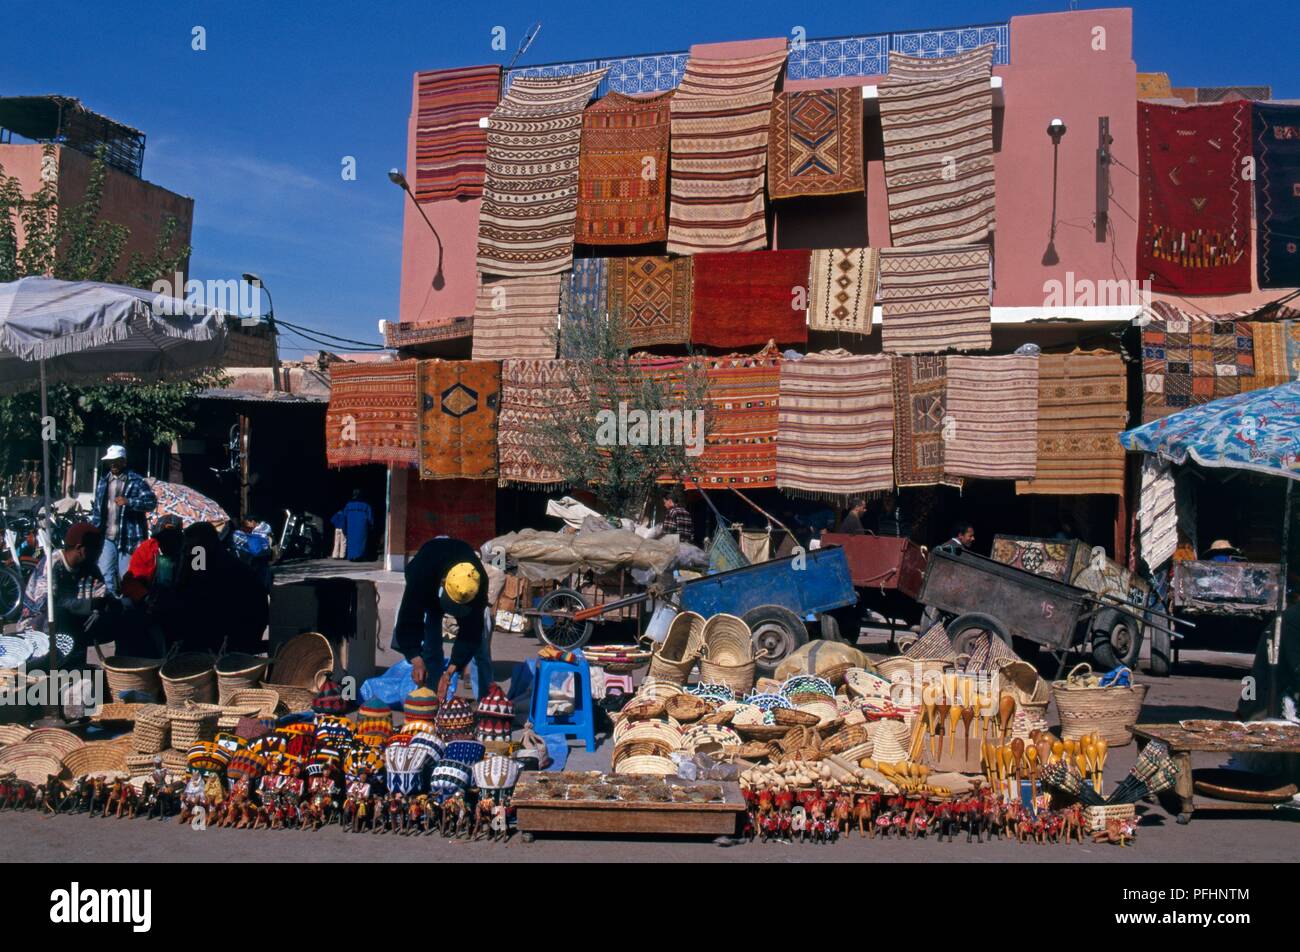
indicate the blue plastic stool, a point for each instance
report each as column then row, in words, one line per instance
column 581, row 723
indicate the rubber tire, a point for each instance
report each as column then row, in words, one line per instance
column 1104, row 652
column 830, row 628
column 974, row 622
column 563, row 597
column 774, row 619
column 11, row 593
column 1162, row 654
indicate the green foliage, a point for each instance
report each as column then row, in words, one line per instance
column 74, row 243
column 623, row 475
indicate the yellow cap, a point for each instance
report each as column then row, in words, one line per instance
column 462, row 583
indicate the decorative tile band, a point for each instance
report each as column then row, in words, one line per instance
column 645, row 74
column 845, row 56
column 957, row 40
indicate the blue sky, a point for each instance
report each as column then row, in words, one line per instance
column 255, row 128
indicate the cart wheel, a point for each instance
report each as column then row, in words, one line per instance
column 562, row 633
column 1116, row 640
column 1162, row 657
column 777, row 631
column 964, row 629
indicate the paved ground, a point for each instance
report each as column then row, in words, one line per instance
column 1206, row 685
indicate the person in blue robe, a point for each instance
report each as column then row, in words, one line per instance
column 355, row 519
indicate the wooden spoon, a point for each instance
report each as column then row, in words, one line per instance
column 941, row 711
column 1057, row 750
column 967, row 715
column 1101, row 748
column 1004, row 757
column 1018, row 758
column 954, row 718
column 1006, row 711
column 1031, row 758
column 1044, row 747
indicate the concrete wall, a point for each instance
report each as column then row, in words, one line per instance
column 142, row 206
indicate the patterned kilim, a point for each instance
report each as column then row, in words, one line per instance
column 533, row 393
column 740, row 449
column 1157, row 515
column 842, row 285
column 531, row 195
column 1277, row 354
column 450, row 148
column 1190, row 359
column 903, row 66
column 993, row 412
column 410, row 333
column 935, row 299
column 1194, row 207
column 458, row 418
column 1082, row 407
column 938, row 138
column 373, row 414
column 516, row 317
column 835, row 437
column 1277, row 194
column 720, row 118
column 653, row 296
column 920, row 405
column 815, row 147
column 749, row 298
column 622, row 198
column 583, row 293
column 463, row 509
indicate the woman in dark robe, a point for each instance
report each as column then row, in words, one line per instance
column 220, row 599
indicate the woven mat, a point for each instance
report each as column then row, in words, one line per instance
column 746, row 299
column 583, row 294
column 920, row 405
column 1277, row 197
column 815, row 146
column 721, row 114
column 993, row 406
column 622, row 200
column 835, row 438
column 1277, row 355
column 516, row 317
column 934, row 300
column 903, row 66
column 653, row 296
column 530, row 198
column 373, row 414
column 1194, row 218
column 938, row 141
column 744, row 392
column 458, row 418
column 533, row 393
column 1191, row 359
column 842, row 284
column 450, row 148
column 1082, row 406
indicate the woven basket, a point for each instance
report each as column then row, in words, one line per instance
column 13, row 734
column 655, row 766
column 644, row 708
column 31, row 764
column 64, row 742
column 761, row 732
column 131, row 674
column 293, row 697
column 189, row 677
column 795, row 717
column 1095, row 817
column 835, row 673
column 686, row 707
column 138, row 764
column 175, row 760
column 193, row 723
column 1107, row 712
column 264, row 700
column 118, row 712
column 236, row 671
column 862, row 683
column 657, row 687
column 904, row 668
column 739, row 677
column 846, row 739
column 708, row 736
column 1027, row 719
column 855, row 754
column 673, row 659
column 661, row 731
column 728, row 641
column 96, row 758
column 152, row 732
column 638, row 748
column 303, row 660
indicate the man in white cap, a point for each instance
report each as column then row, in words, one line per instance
column 122, row 498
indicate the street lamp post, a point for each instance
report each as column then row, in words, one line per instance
column 398, row 179
column 256, row 282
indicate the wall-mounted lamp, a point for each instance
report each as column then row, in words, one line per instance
column 398, row 179
column 1056, row 131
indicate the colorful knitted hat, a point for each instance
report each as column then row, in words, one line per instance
column 374, row 718
column 420, row 705
column 495, row 704
column 330, row 700
column 495, row 716
column 468, row 752
column 456, row 720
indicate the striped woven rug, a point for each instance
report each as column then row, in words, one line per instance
column 530, row 198
column 842, row 284
column 935, row 299
column 908, row 68
column 450, row 148
column 721, row 113
column 835, row 437
column 516, row 317
column 993, row 414
column 1082, row 407
column 920, row 406
column 1277, row 354
column 938, row 138
column 373, row 414
column 624, row 170
column 815, row 147
column 534, row 393
column 653, row 297
column 458, row 418
column 740, row 449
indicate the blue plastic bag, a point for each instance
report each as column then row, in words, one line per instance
column 391, row 687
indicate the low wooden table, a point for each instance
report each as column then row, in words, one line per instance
column 1182, row 743
column 628, row 817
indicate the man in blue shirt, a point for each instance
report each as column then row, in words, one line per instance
column 122, row 497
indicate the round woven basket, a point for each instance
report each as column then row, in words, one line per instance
column 657, row 687
column 761, row 732
column 728, row 641
column 738, row 677
column 687, row 707
column 655, row 766
column 862, row 683
column 236, row 671
column 189, row 677
column 193, row 723
column 902, row 667
column 644, row 708
column 125, row 673
column 638, row 748
column 302, row 660
column 118, row 712
column 13, row 734
column 673, row 659
column 1108, row 712
column 264, row 700
column 293, row 697
column 660, row 731
column 96, row 758
column 793, row 717
column 65, row 742
column 31, row 764
column 845, row 739
column 708, row 737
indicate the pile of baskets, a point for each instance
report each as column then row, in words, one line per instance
column 1087, row 708
column 34, row 756
column 673, row 659
column 727, row 653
